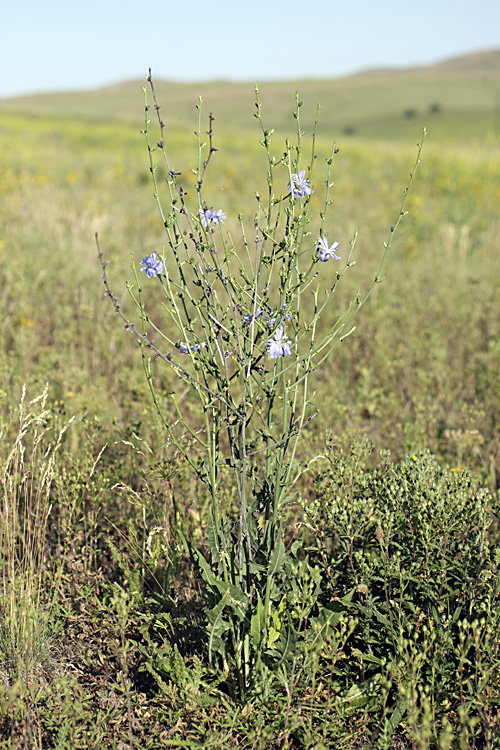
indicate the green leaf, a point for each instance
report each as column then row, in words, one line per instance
column 367, row 657
column 391, row 724
column 200, row 564
column 363, row 694
column 234, row 598
column 277, row 623
column 216, row 629
column 278, row 556
column 258, row 623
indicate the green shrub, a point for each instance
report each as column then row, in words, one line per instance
column 413, row 541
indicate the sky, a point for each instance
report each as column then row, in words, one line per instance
column 60, row 45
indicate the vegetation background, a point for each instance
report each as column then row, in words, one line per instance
column 420, row 372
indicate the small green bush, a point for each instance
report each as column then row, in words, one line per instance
column 413, row 541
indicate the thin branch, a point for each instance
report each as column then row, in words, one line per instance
column 129, row 326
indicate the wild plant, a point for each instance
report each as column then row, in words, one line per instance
column 240, row 331
column 412, row 541
column 28, row 579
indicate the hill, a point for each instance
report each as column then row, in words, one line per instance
column 459, row 97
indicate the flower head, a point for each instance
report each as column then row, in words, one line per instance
column 185, row 349
column 325, row 252
column 277, row 315
column 279, row 344
column 247, row 318
column 153, row 265
column 218, row 216
column 300, row 185
column 209, row 215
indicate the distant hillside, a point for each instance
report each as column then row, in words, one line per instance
column 456, row 97
column 475, row 64
column 482, row 63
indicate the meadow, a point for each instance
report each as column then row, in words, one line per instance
column 103, row 624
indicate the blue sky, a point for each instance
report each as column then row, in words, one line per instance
column 50, row 45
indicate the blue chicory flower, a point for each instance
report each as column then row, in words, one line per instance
column 247, row 318
column 325, row 252
column 280, row 317
column 206, row 216
column 153, row 265
column 209, row 215
column 300, row 185
column 184, row 348
column 218, row 216
column 279, row 345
